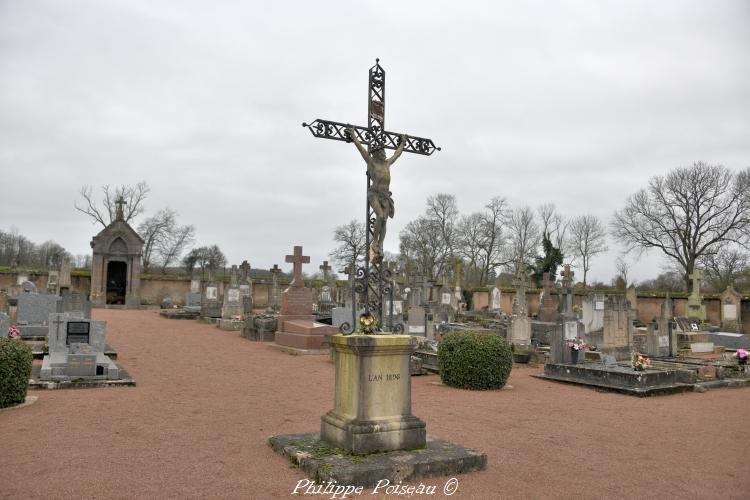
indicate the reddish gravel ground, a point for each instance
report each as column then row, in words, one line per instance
column 197, row 424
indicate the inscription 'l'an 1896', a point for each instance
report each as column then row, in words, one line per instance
column 379, row 377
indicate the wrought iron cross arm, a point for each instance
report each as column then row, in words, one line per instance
column 326, row 129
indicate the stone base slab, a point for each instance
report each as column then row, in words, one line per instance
column 230, row 325
column 38, row 352
column 361, row 437
column 299, row 352
column 324, row 463
column 179, row 314
column 617, row 379
column 302, row 334
column 35, row 382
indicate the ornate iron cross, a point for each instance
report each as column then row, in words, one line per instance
column 374, row 278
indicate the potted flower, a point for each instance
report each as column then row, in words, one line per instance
column 578, row 311
column 368, row 324
column 741, row 356
column 639, row 362
column 576, row 345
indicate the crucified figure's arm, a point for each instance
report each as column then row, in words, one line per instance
column 399, row 150
column 362, row 150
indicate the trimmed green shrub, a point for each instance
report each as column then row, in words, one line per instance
column 15, row 370
column 470, row 360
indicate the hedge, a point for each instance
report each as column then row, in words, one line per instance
column 471, row 360
column 15, row 370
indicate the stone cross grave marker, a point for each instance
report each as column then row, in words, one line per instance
column 695, row 307
column 274, row 298
column 297, row 259
column 325, row 268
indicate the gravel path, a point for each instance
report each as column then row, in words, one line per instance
column 206, row 402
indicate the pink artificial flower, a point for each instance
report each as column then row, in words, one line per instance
column 13, row 332
column 741, row 353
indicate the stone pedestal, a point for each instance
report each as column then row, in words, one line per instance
column 372, row 405
column 297, row 328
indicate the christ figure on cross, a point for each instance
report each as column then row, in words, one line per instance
column 379, row 194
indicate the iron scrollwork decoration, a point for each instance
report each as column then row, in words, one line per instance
column 326, row 129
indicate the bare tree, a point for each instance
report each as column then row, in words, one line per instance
column 174, row 243
column 587, row 239
column 421, row 247
column 725, row 267
column 623, row 270
column 153, row 231
column 16, row 248
column 480, row 240
column 442, row 213
column 555, row 226
column 350, row 238
column 105, row 212
column 470, row 237
column 525, row 237
column 208, row 258
column 688, row 214
column 669, row 280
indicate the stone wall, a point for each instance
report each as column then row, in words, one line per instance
column 153, row 289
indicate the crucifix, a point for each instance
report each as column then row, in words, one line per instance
column 120, row 214
column 297, row 259
column 371, row 142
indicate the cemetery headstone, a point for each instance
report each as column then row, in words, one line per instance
column 4, row 324
column 695, row 308
column 53, row 281
column 520, row 327
column 618, row 329
column 731, row 306
column 246, row 289
column 547, row 306
column 232, row 308
column 592, row 312
column 210, row 300
column 274, row 302
column 33, row 312
column 297, row 328
column 64, row 281
column 74, row 302
column 632, row 295
column 76, row 349
column 496, row 303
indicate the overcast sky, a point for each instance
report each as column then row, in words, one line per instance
column 574, row 103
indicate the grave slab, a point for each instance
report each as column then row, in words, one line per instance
column 324, row 463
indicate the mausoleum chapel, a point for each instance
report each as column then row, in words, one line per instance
column 116, row 264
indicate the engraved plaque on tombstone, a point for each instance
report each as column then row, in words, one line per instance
column 77, row 332
column 730, row 312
